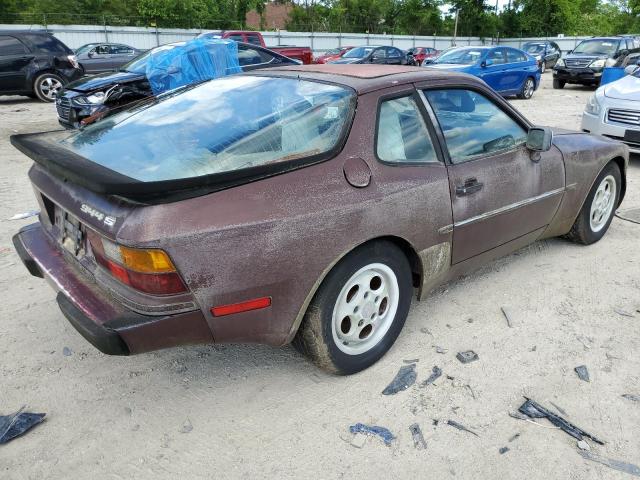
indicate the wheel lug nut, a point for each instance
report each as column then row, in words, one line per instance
column 360, row 323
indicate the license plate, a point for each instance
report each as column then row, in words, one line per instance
column 71, row 232
column 632, row 136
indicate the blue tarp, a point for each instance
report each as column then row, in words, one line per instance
column 195, row 61
column 611, row 74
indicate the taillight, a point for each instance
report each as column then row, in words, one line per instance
column 73, row 60
column 149, row 270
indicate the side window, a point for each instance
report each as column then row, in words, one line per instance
column 236, row 38
column 252, row 56
column 393, row 52
column 473, row 125
column 11, row 46
column 514, row 56
column 253, row 39
column 402, row 134
column 497, row 56
column 379, row 53
column 121, row 50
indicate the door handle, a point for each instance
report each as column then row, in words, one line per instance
column 470, row 185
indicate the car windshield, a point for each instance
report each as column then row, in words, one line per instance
column 139, row 64
column 533, row 47
column 359, row 52
column 85, row 48
column 461, row 56
column 220, row 126
column 597, row 47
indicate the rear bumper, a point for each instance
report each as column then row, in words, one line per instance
column 101, row 320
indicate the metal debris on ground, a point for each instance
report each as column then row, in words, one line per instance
column 405, row 377
column 533, row 409
column 461, row 427
column 418, row 439
column 382, row 432
column 621, row 466
column 467, row 357
column 16, row 424
column 436, row 372
column 503, row 450
column 507, row 315
column 22, row 216
column 583, row 373
column 632, row 397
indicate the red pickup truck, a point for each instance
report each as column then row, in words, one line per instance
column 304, row 54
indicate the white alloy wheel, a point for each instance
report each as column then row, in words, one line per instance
column 365, row 309
column 603, row 203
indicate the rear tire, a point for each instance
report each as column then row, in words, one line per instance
column 558, row 84
column 528, row 87
column 598, row 210
column 358, row 311
column 47, row 85
column 543, row 67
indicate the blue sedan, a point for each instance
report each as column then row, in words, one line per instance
column 507, row 70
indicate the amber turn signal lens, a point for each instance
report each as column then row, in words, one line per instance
column 146, row 261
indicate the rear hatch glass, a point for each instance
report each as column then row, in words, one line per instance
column 221, row 126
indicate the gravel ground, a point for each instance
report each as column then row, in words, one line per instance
column 237, row 411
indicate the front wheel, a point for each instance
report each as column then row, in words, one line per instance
column 558, row 84
column 528, row 87
column 597, row 212
column 358, row 311
column 543, row 67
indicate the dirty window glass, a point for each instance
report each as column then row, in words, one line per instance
column 402, row 134
column 11, row 46
column 497, row 56
column 223, row 125
column 472, row 125
column 514, row 56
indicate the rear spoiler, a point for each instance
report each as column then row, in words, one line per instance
column 45, row 149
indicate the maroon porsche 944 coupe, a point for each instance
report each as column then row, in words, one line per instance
column 302, row 204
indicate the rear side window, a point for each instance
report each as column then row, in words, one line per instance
column 11, row 46
column 46, row 43
column 236, row 38
column 393, row 53
column 252, row 56
column 224, row 125
column 473, row 126
column 497, row 56
column 121, row 50
column 402, row 134
column 514, row 56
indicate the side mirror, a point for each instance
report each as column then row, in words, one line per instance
column 630, row 69
column 90, row 54
column 569, row 51
column 539, row 139
column 486, row 63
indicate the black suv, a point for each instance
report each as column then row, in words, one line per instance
column 585, row 63
column 35, row 64
column 545, row 52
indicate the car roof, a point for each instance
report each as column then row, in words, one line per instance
column 25, row 32
column 365, row 78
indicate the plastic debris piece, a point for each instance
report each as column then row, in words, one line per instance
column 66, row 351
column 418, row 439
column 583, row 373
column 16, row 424
column 436, row 372
column 503, row 450
column 623, row 313
column 621, row 466
column 632, row 397
column 582, row 445
column 405, row 377
column 533, row 409
column 21, row 216
column 507, row 314
column 382, row 432
column 186, row 427
column 461, row 427
column 441, row 350
column 467, row 357
column 515, row 437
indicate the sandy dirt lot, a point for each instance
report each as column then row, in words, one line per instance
column 243, row 411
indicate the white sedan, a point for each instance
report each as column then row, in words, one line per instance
column 614, row 111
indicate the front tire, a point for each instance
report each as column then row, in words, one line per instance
column 598, row 210
column 558, row 84
column 47, row 85
column 358, row 311
column 528, row 87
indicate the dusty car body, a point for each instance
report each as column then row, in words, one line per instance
column 259, row 249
